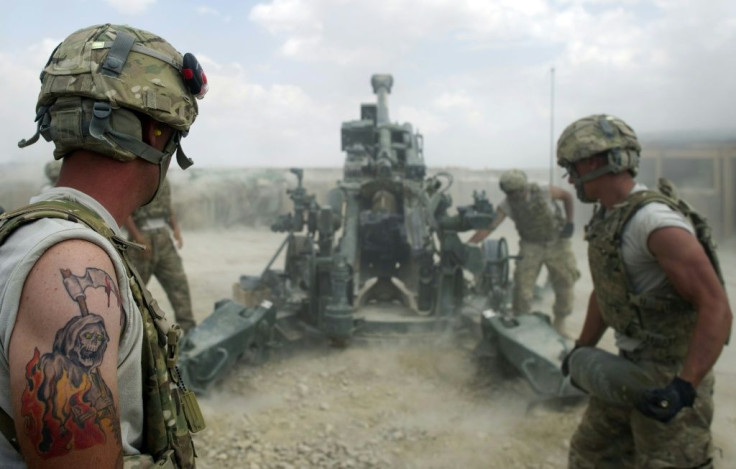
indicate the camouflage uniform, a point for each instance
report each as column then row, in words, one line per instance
column 654, row 325
column 663, row 322
column 540, row 244
column 163, row 260
column 100, row 89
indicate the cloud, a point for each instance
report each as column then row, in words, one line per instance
column 351, row 31
column 209, row 11
column 20, row 84
column 242, row 122
column 132, row 7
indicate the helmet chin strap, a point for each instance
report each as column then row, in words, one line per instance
column 101, row 129
column 611, row 166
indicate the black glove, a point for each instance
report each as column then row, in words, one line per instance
column 567, row 231
column 664, row 403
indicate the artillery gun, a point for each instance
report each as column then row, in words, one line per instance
column 382, row 258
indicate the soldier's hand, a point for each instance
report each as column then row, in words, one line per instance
column 568, row 230
column 178, row 238
column 664, row 403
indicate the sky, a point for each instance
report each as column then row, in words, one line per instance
column 475, row 77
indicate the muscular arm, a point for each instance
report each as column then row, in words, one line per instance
column 567, row 201
column 687, row 267
column 63, row 360
column 480, row 235
column 593, row 327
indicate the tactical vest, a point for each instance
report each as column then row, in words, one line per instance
column 661, row 319
column 535, row 220
column 159, row 207
column 171, row 411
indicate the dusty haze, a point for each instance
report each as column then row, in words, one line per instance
column 413, row 405
column 394, row 406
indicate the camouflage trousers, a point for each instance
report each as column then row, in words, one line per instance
column 612, row 436
column 163, row 262
column 557, row 256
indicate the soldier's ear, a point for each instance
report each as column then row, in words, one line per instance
column 156, row 134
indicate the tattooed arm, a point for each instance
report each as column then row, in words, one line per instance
column 63, row 360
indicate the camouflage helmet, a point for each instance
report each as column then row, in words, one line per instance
column 512, row 180
column 52, row 170
column 600, row 134
column 101, row 79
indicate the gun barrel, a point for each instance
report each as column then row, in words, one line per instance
column 382, row 84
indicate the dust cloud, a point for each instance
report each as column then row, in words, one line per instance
column 422, row 404
column 413, row 405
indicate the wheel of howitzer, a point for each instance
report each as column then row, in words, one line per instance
column 495, row 254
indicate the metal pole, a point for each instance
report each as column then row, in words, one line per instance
column 552, row 127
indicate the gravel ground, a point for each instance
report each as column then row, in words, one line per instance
column 422, row 404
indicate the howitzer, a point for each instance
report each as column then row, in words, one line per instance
column 397, row 268
column 230, row 333
column 528, row 344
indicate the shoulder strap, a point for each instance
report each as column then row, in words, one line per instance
column 64, row 209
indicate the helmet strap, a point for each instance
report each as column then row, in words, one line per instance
column 614, row 164
column 44, row 120
column 118, row 54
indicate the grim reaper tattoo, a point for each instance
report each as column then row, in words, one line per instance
column 66, row 404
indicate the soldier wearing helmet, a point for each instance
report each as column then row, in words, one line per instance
column 544, row 240
column 88, row 371
column 657, row 284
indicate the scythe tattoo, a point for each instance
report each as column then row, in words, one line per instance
column 66, row 404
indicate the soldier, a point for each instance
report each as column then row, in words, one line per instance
column 152, row 226
column 87, row 359
column 656, row 282
column 544, row 240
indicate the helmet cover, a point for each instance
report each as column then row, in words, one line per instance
column 512, row 180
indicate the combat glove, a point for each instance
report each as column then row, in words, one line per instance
column 567, row 231
column 664, row 403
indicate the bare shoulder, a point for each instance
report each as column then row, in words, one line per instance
column 72, row 278
column 673, row 241
column 63, row 357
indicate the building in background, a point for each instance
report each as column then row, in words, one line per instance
column 704, row 170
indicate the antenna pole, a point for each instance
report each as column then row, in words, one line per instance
column 552, row 127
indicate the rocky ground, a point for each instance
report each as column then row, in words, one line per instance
column 419, row 404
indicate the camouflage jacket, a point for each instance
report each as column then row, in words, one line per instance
column 535, row 220
column 661, row 319
column 171, row 411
